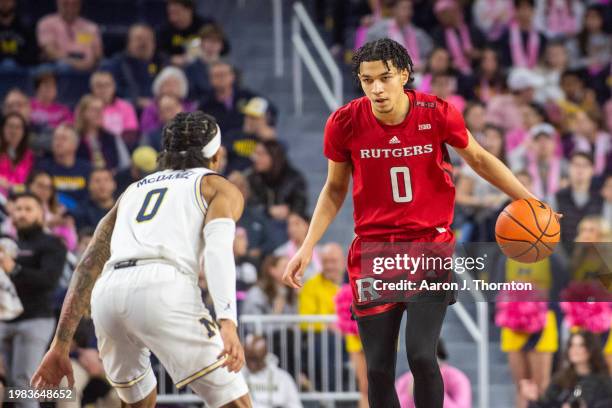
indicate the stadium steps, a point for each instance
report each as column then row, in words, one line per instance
column 252, row 50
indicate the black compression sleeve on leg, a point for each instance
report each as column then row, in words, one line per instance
column 379, row 334
column 423, row 326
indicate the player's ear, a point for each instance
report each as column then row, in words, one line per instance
column 404, row 75
column 217, row 160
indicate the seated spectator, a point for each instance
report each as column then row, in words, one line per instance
column 555, row 62
column 259, row 125
column 400, row 28
column 211, row 45
column 488, row 79
column 457, row 387
column 168, row 106
column 539, row 157
column 478, row 200
column 522, row 44
column 170, row 81
column 69, row 172
column 269, row 385
column 16, row 101
column 444, row 86
column 270, row 296
column 588, row 263
column 589, row 137
column 492, row 17
column 532, row 116
column 135, row 69
column 246, row 271
column 56, row 219
column 35, row 272
column 118, row 117
column 591, row 48
column 46, row 111
column 438, row 62
column 559, row 19
column 253, row 220
column 582, row 381
column 317, row 295
column 577, row 200
column 274, row 183
column 101, row 199
column 19, row 46
column 577, row 95
column 297, row 228
column 16, row 158
column 97, row 145
column 226, row 97
column 456, row 36
column 505, row 110
column 184, row 25
column 144, row 162
column 68, row 39
column 475, row 120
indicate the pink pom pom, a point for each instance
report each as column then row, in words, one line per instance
column 590, row 316
column 344, row 299
column 582, row 310
column 523, row 312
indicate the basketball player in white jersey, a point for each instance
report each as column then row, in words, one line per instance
column 141, row 272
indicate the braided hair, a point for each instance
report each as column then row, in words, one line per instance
column 384, row 50
column 183, row 139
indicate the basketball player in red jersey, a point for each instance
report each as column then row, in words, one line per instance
column 393, row 142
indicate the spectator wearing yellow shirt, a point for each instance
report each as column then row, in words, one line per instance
column 317, row 295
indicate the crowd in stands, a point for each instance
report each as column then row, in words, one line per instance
column 85, row 99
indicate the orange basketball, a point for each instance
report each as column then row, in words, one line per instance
column 527, row 230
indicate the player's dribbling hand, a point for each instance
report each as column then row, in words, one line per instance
column 295, row 268
column 232, row 348
column 54, row 367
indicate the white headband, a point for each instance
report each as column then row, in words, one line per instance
column 213, row 146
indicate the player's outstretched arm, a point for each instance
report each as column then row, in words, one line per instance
column 330, row 200
column 56, row 364
column 225, row 206
column 493, row 170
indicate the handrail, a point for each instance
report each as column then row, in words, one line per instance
column 331, row 94
column 479, row 331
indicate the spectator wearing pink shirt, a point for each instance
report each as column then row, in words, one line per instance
column 46, row 111
column 504, row 110
column 457, row 387
column 16, row 159
column 67, row 38
column 444, row 86
column 119, row 116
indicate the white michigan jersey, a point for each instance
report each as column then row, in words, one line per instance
column 161, row 217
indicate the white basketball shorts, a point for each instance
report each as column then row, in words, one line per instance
column 155, row 308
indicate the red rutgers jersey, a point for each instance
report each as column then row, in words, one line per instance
column 402, row 176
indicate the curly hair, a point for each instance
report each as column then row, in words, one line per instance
column 384, row 50
column 183, row 139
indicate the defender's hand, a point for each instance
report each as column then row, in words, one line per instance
column 296, row 267
column 231, row 346
column 53, row 368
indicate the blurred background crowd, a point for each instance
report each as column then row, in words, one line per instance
column 87, row 86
